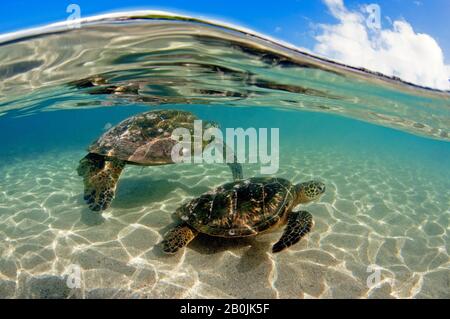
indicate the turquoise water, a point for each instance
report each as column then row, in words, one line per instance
column 381, row 148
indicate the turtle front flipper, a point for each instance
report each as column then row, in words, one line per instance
column 100, row 180
column 299, row 224
column 177, row 238
column 90, row 164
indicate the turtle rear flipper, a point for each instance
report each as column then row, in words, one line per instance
column 235, row 166
column 299, row 224
column 100, row 180
column 236, row 170
column 177, row 238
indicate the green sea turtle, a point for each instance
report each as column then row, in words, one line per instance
column 143, row 139
column 246, row 208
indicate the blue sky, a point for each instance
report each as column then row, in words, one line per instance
column 292, row 16
column 294, row 21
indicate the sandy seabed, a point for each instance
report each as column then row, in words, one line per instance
column 375, row 212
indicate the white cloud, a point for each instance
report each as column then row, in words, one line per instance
column 397, row 51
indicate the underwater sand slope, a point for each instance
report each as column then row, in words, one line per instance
column 369, row 215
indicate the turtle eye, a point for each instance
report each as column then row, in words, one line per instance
column 321, row 187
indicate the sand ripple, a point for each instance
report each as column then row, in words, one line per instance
column 372, row 214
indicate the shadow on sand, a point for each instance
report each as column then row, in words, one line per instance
column 257, row 252
column 136, row 192
column 139, row 191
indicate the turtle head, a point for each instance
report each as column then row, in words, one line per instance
column 309, row 191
